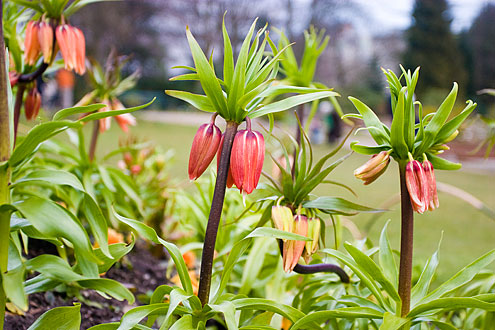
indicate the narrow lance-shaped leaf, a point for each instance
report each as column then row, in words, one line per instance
column 207, row 76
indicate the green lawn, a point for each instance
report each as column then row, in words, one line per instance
column 467, row 233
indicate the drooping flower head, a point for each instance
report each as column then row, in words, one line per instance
column 432, row 185
column 45, row 36
column 31, row 43
column 32, row 104
column 246, row 160
column 73, row 47
column 417, row 186
column 293, row 250
column 373, row 168
column 204, row 148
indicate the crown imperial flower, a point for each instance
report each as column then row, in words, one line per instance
column 45, row 37
column 32, row 104
column 246, row 160
column 432, row 185
column 204, row 148
column 373, row 168
column 293, row 250
column 31, row 43
column 417, row 186
column 73, row 47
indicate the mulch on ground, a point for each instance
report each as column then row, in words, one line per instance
column 139, row 271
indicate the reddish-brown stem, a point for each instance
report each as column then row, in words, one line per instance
column 406, row 243
column 215, row 214
column 17, row 107
column 94, row 139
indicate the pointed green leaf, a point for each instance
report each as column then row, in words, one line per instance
column 59, row 318
column 207, row 76
column 337, row 205
column 371, row 120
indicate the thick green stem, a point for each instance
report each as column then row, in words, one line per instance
column 406, row 243
column 4, row 169
column 215, row 213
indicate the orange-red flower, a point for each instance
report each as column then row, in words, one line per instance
column 124, row 120
column 31, row 43
column 73, row 47
column 432, row 185
column 417, row 186
column 45, row 37
column 293, row 250
column 32, row 104
column 204, row 148
column 246, row 160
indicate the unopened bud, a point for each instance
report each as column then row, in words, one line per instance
column 373, row 168
column 32, row 104
column 417, row 186
column 451, row 137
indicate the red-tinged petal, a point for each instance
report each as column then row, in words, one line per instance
column 300, row 228
column 32, row 104
column 248, row 154
column 204, row 148
column 237, row 158
column 230, row 179
column 414, row 182
column 288, row 255
column 45, row 35
column 432, row 185
column 80, row 51
column 124, row 120
column 105, row 122
column 63, row 35
column 31, row 43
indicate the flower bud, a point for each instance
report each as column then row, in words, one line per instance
column 373, row 168
column 246, row 160
column 204, row 148
column 45, row 36
column 230, row 179
column 282, row 218
column 136, row 169
column 417, row 186
column 293, row 250
column 432, row 185
column 314, row 227
column 452, row 136
column 31, row 43
column 32, row 104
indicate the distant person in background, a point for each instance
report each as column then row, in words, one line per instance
column 333, row 121
column 65, row 81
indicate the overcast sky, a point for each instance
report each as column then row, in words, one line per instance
column 396, row 14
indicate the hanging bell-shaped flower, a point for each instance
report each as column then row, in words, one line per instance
column 246, row 160
column 204, row 147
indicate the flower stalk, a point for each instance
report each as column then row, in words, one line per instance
column 215, row 213
column 406, row 242
column 4, row 169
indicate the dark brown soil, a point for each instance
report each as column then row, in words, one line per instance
column 139, row 271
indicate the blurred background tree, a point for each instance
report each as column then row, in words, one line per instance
column 432, row 45
column 481, row 39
